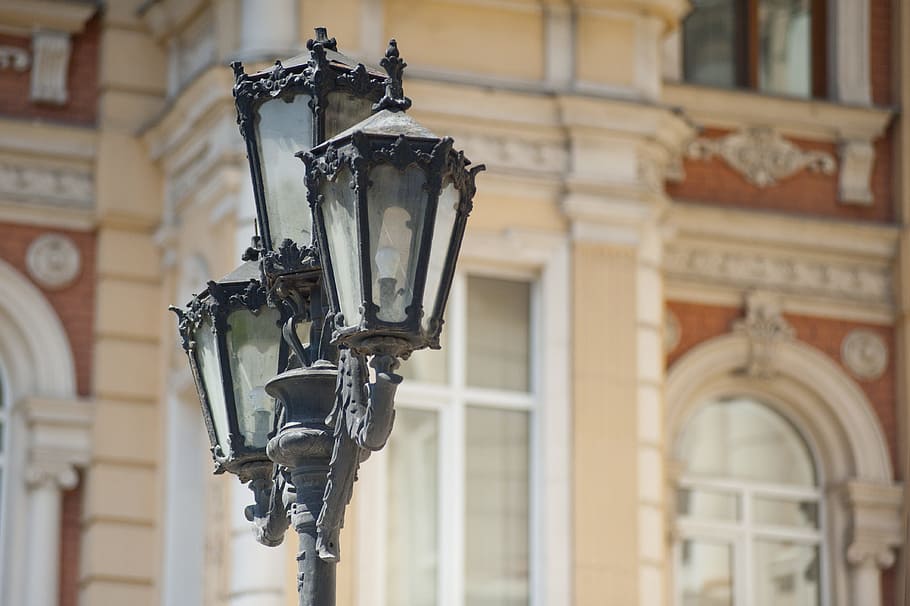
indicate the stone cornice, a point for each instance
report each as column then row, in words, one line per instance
column 177, row 121
column 25, row 16
column 815, row 120
column 828, row 268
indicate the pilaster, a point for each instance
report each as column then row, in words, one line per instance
column 619, row 155
column 120, row 494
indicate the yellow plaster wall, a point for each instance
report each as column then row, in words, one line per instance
column 340, row 17
column 604, row 49
column 492, row 39
column 126, row 380
column 605, row 492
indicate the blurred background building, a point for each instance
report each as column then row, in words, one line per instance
column 675, row 365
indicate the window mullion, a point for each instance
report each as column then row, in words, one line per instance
column 746, row 579
column 452, row 457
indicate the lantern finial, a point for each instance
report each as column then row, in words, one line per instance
column 394, row 99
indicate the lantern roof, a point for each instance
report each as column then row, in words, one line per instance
column 248, row 270
column 384, row 123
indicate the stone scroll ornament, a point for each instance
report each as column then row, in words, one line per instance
column 761, row 155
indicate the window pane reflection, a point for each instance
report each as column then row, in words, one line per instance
column 498, row 335
column 745, row 440
column 496, row 507
column 706, row 573
column 412, row 523
column 707, row 504
column 781, row 512
column 785, row 59
column 709, row 43
column 786, row 574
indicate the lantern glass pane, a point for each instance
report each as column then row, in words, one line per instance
column 339, row 212
column 285, row 127
column 208, row 362
column 344, row 110
column 444, row 224
column 253, row 351
column 397, row 202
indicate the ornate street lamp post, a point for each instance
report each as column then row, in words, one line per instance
column 359, row 242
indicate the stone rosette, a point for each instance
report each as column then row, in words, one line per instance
column 865, row 354
column 53, row 260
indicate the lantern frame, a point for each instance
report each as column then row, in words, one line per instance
column 241, row 291
column 318, row 73
column 390, row 138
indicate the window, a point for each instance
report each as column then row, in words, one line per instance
column 749, row 512
column 457, row 471
column 775, row 46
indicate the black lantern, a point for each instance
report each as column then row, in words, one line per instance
column 233, row 341
column 390, row 201
column 292, row 106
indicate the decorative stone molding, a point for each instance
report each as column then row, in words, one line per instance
column 801, row 275
column 764, row 326
column 60, row 186
column 876, row 522
column 51, row 473
column 51, row 63
column 865, row 354
column 509, row 152
column 672, row 331
column 761, row 155
column 14, row 58
column 856, row 161
column 53, row 260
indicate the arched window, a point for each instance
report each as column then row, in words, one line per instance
column 749, row 510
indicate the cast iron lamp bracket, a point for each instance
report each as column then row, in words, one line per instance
column 367, row 264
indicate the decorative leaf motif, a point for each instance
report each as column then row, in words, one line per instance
column 761, row 155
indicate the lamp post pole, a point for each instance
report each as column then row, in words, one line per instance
column 365, row 254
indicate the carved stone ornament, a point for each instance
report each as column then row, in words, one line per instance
column 865, row 354
column 761, row 155
column 53, row 260
column 857, row 159
column 51, row 64
column 764, row 325
column 14, row 58
column 38, row 183
column 866, row 283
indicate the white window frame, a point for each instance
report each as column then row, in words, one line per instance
column 743, row 533
column 543, row 261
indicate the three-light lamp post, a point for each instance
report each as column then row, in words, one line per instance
column 351, row 271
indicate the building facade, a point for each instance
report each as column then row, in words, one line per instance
column 676, row 352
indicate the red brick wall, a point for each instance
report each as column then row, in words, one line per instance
column 70, row 536
column 75, row 303
column 714, row 182
column 699, row 323
column 82, row 82
column 881, row 31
